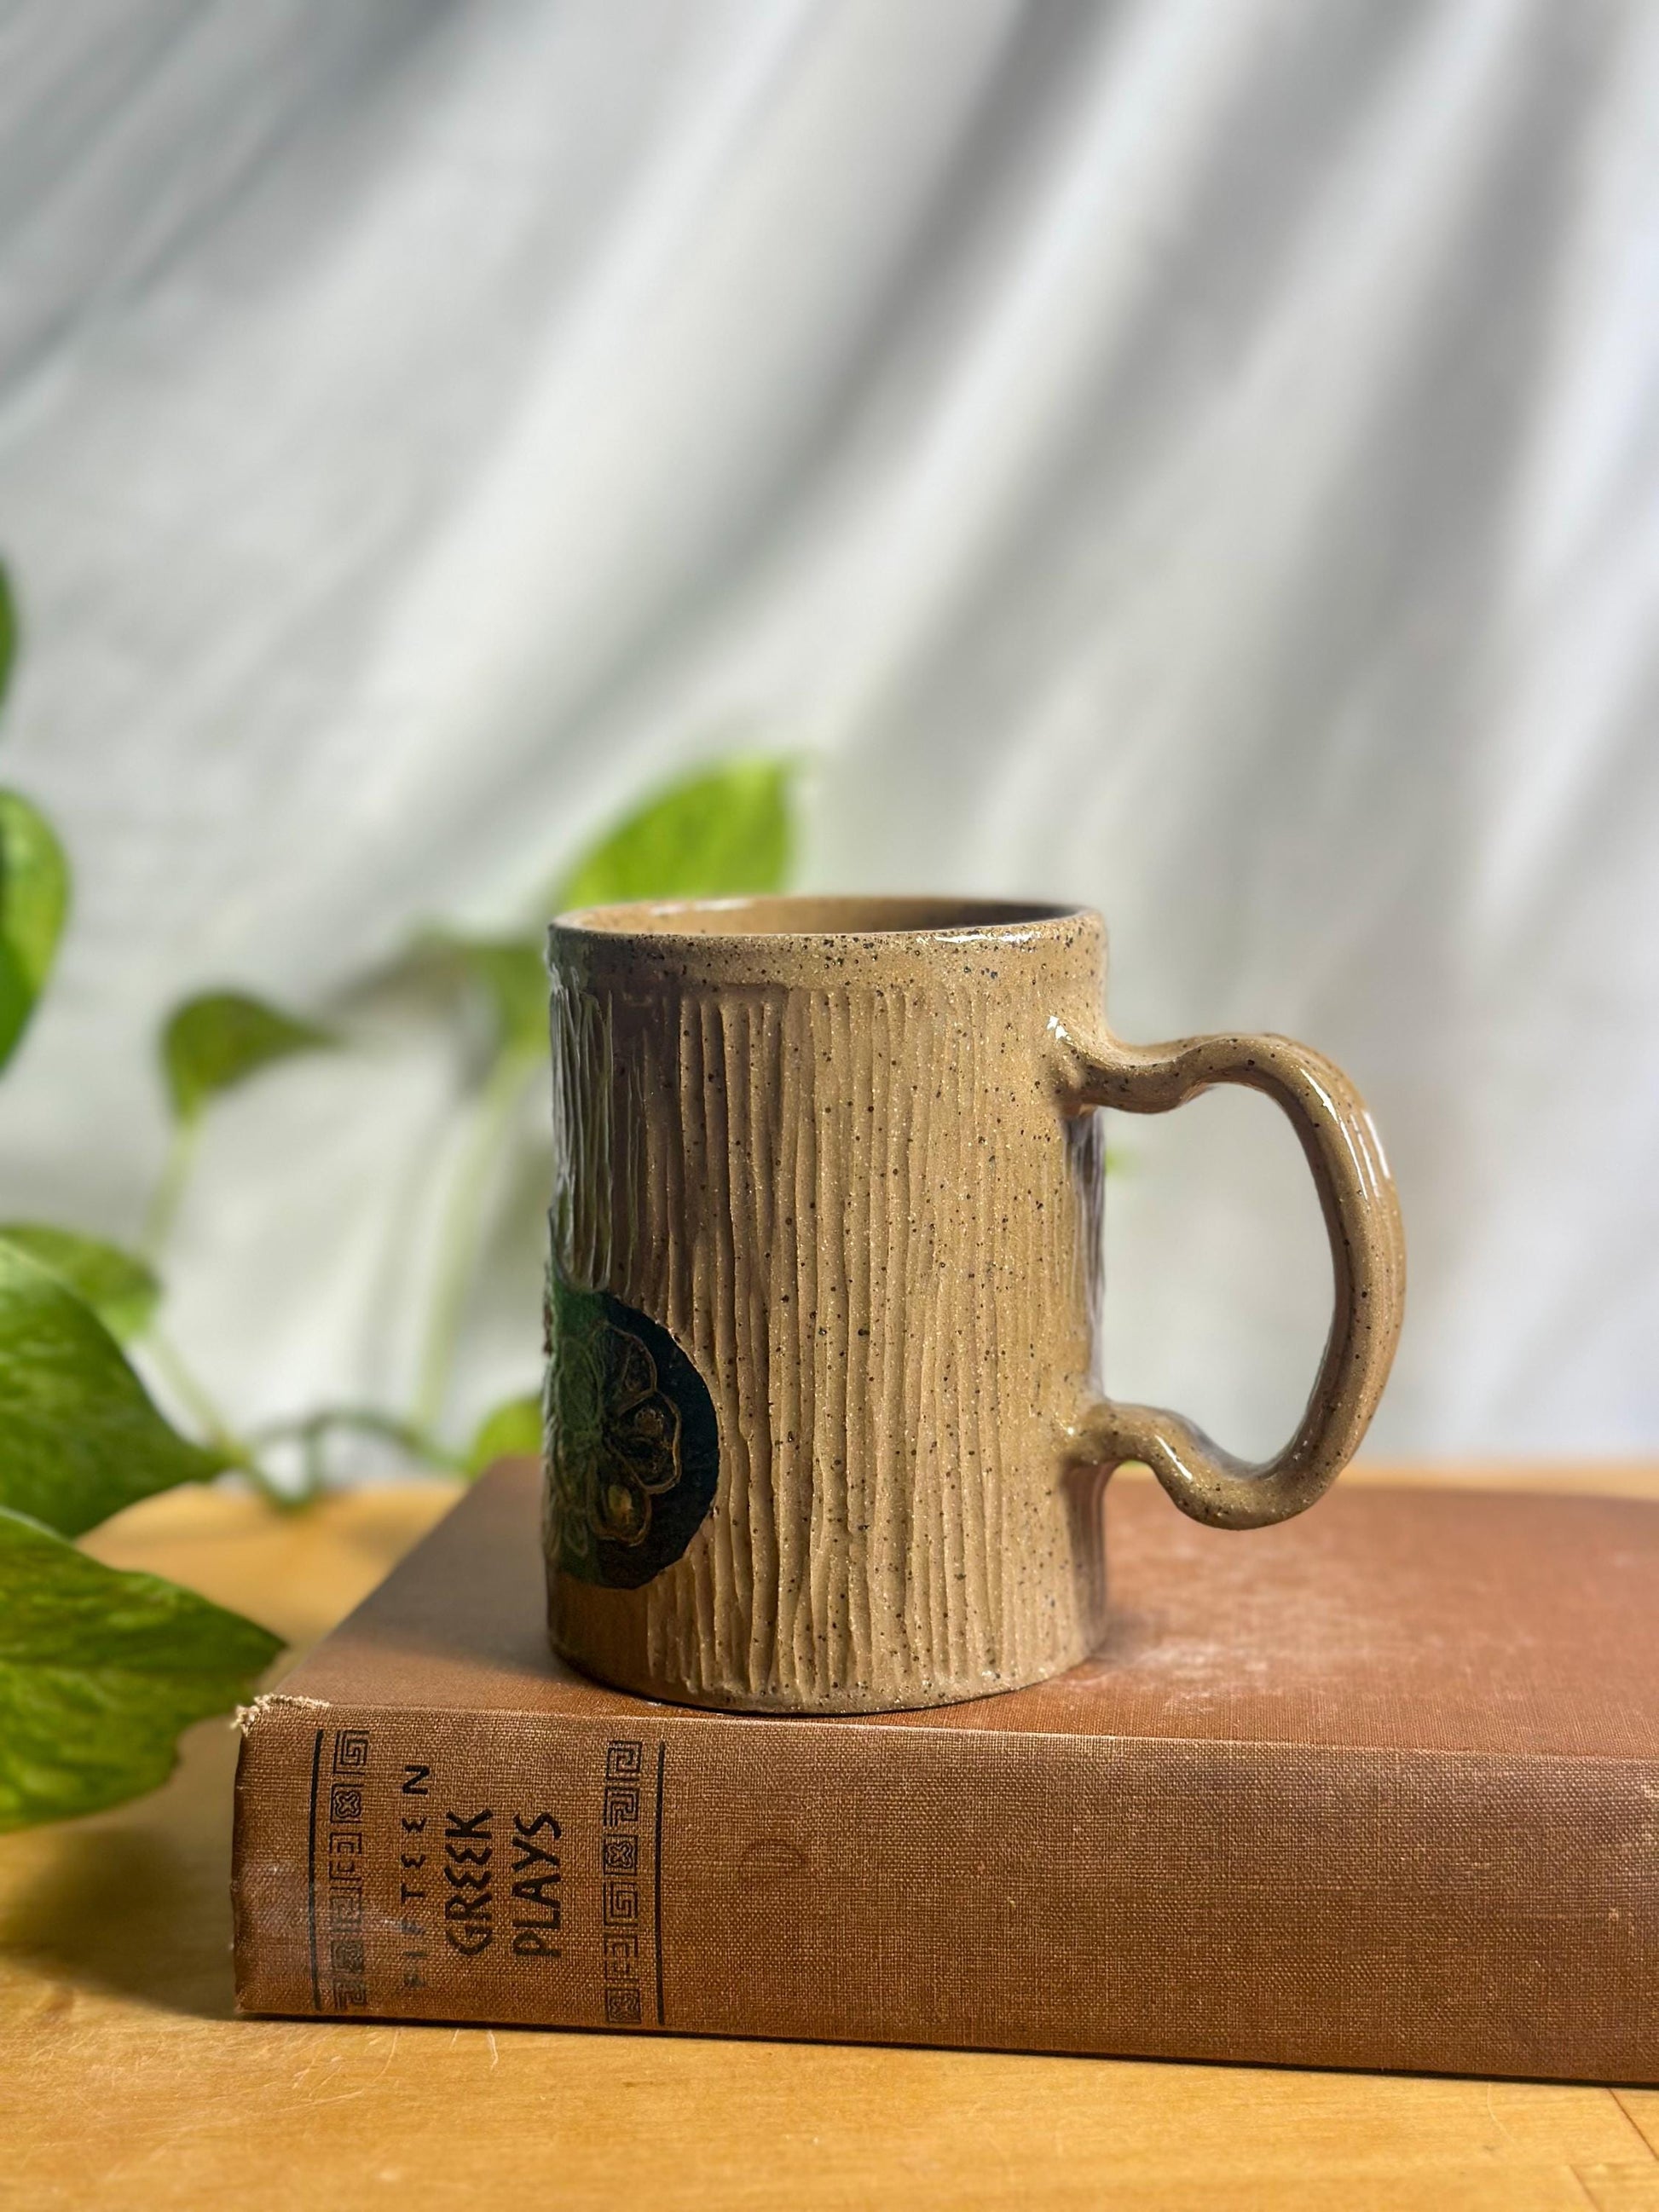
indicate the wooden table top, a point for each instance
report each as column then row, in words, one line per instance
column 125, row 2082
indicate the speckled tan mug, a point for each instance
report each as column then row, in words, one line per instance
column 824, row 1431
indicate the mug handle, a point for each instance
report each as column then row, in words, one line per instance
column 1368, row 1258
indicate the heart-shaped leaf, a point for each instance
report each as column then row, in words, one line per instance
column 718, row 833
column 117, row 1285
column 217, row 1040
column 513, row 1431
column 99, row 1672
column 34, row 885
column 79, row 1438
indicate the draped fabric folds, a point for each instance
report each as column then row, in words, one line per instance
column 1199, row 456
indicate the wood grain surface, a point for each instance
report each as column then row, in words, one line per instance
column 840, row 1171
column 125, row 2082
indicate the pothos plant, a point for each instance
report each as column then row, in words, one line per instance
column 101, row 1669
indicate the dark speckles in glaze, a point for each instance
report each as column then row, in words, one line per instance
column 854, row 1174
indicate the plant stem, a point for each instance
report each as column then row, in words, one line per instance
column 170, row 1189
column 367, row 1420
column 180, row 1379
column 463, row 1224
column 285, row 1501
column 219, row 1433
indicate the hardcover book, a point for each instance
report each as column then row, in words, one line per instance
column 1378, row 1787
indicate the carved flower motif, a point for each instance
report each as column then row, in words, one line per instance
column 639, row 1447
column 613, row 1433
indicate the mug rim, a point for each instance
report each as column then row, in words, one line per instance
column 920, row 918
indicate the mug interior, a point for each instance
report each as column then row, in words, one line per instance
column 808, row 915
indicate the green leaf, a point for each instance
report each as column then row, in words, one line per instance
column 725, row 830
column 219, row 1039
column 7, row 630
column 117, row 1285
column 34, row 885
column 512, row 975
column 79, row 1438
column 514, row 1431
column 99, row 1672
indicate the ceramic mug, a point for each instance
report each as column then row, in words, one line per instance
column 825, row 1433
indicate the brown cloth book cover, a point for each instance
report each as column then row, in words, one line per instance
column 1376, row 1787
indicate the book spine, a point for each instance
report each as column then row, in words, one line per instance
column 1289, row 1903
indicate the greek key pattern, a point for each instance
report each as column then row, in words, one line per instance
column 619, row 1879
column 342, row 1911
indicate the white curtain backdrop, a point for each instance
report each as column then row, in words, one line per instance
column 1200, row 456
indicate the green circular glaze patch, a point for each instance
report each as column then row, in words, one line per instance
column 633, row 1447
